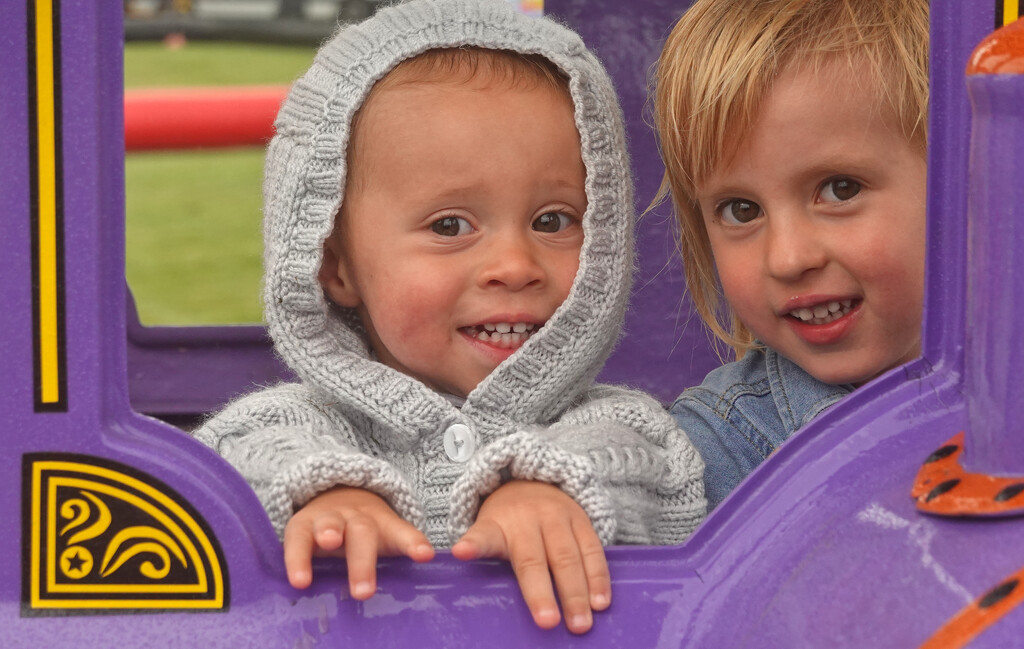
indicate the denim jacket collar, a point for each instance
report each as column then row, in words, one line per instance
column 799, row 397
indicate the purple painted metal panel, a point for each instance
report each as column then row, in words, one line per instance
column 16, row 263
column 819, row 547
column 16, row 291
column 995, row 391
column 192, row 370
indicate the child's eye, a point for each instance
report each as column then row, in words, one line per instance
column 839, row 190
column 451, row 226
column 552, row 222
column 738, row 211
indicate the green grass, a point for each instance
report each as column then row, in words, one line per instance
column 209, row 63
column 194, row 247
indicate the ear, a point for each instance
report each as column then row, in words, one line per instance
column 335, row 277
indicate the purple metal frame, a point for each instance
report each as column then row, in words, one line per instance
column 821, row 546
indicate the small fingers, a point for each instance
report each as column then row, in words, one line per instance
column 399, row 537
column 485, row 539
column 298, row 551
column 309, row 536
column 329, row 533
column 361, row 541
column 567, row 567
column 595, row 565
column 355, row 524
column 529, row 561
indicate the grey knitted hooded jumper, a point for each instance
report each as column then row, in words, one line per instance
column 538, row 416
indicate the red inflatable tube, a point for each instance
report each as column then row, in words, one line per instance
column 189, row 118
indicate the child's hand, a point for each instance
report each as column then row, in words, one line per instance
column 355, row 524
column 540, row 529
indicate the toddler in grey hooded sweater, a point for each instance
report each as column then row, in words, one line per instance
column 448, row 256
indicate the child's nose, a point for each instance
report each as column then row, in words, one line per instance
column 513, row 262
column 793, row 247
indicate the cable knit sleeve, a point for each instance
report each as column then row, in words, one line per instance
column 618, row 453
column 289, row 447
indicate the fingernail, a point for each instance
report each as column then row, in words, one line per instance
column 600, row 600
column 362, row 589
column 329, row 537
column 580, row 621
column 547, row 617
column 300, row 577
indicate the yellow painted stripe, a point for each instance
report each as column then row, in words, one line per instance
column 49, row 357
column 36, row 537
column 1011, row 11
column 122, row 604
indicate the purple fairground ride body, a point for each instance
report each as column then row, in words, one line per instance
column 119, row 530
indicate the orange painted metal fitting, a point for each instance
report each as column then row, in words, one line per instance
column 1002, row 52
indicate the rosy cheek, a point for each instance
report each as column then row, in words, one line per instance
column 415, row 309
column 898, row 268
column 566, row 280
column 565, row 271
column 734, row 286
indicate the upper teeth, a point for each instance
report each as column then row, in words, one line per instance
column 503, row 334
column 822, row 313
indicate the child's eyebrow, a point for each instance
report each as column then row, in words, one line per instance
column 843, row 165
column 467, row 190
column 454, row 192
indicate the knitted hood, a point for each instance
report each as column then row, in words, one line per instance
column 305, row 176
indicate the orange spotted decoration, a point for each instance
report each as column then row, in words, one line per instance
column 944, row 488
column 979, row 615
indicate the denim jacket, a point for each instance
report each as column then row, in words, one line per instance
column 744, row 410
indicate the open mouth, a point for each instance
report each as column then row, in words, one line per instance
column 506, row 335
column 823, row 313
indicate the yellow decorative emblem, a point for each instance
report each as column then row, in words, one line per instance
column 100, row 536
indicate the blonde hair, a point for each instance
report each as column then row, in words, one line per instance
column 718, row 66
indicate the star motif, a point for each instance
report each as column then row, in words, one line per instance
column 76, row 563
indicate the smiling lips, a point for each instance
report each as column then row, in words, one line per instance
column 825, row 323
column 823, row 313
column 504, row 335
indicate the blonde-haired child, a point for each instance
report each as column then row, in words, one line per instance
column 793, row 134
